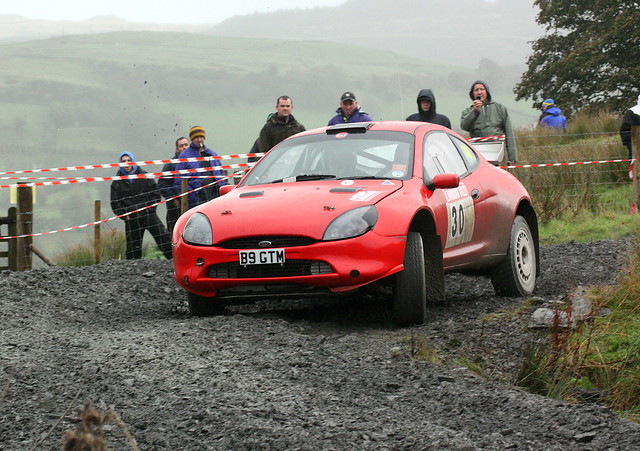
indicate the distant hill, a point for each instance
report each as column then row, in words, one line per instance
column 19, row 28
column 457, row 32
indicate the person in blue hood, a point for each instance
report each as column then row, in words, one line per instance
column 128, row 195
column 552, row 116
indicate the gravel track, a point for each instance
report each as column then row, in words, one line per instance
column 284, row 375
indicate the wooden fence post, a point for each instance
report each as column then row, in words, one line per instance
column 25, row 227
column 96, row 233
column 42, row 257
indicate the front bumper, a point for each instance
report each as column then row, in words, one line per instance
column 333, row 266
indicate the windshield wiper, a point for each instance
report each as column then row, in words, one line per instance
column 365, row 177
column 305, row 177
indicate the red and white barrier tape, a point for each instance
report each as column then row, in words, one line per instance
column 573, row 163
column 193, row 159
column 486, row 138
column 244, row 166
column 207, row 158
column 67, row 229
column 70, row 180
column 134, row 163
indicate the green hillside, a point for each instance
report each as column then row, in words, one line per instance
column 87, row 97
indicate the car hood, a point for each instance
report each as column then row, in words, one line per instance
column 300, row 208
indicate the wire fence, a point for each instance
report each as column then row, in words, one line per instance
column 565, row 174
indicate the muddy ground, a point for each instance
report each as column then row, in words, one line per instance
column 285, row 375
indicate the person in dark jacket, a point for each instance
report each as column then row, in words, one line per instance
column 349, row 111
column 279, row 126
column 168, row 187
column 131, row 194
column 552, row 116
column 631, row 118
column 427, row 110
column 255, row 148
column 216, row 177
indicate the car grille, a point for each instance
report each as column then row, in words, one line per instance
column 276, row 241
column 290, row 268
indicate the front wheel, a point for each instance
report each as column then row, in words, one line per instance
column 516, row 274
column 409, row 291
column 204, row 306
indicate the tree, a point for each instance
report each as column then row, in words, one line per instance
column 589, row 58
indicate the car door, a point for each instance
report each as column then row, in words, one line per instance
column 461, row 212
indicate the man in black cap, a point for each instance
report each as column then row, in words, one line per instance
column 349, row 111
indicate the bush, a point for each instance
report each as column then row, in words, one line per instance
column 112, row 247
column 561, row 192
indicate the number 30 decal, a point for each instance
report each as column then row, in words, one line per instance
column 461, row 221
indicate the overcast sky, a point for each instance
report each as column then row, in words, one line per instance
column 174, row 12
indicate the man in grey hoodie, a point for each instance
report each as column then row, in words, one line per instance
column 487, row 118
column 427, row 110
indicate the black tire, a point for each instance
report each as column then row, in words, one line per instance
column 410, row 288
column 204, row 306
column 516, row 274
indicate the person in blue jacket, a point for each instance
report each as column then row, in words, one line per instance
column 552, row 116
column 216, row 178
column 349, row 111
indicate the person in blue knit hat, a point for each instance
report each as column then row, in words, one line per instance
column 551, row 116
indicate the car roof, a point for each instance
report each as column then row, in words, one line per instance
column 399, row 126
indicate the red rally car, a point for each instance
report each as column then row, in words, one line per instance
column 333, row 209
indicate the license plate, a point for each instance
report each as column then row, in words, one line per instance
column 261, row 257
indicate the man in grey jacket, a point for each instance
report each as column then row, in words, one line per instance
column 487, row 118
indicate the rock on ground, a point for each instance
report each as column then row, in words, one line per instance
column 283, row 375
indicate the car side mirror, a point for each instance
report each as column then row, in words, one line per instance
column 226, row 188
column 444, row 181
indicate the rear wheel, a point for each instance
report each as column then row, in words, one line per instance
column 516, row 275
column 204, row 306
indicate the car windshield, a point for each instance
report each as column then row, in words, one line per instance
column 370, row 155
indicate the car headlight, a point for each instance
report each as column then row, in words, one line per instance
column 198, row 230
column 352, row 223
